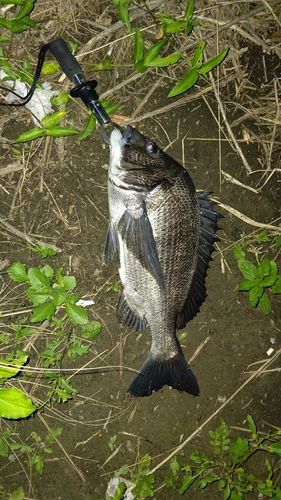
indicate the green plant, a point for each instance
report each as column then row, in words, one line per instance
column 229, row 466
column 167, row 27
column 20, row 21
column 260, row 279
column 229, row 461
column 52, row 299
column 36, row 451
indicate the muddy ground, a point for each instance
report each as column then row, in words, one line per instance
column 71, row 212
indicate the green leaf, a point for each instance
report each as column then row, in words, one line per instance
column 43, row 251
column 4, row 448
column 154, row 51
column 59, row 295
column 277, row 285
column 197, row 59
column 104, row 65
column 17, row 272
column 69, row 282
column 60, row 100
column 76, row 314
column 275, row 448
column 144, row 487
column 43, row 312
column 252, row 425
column 174, row 466
column 264, row 268
column 17, row 495
column 13, row 366
column 247, row 285
column 91, row 329
column 278, row 241
column 60, row 131
column 187, row 482
column 247, row 269
column 89, row 128
column 189, row 10
column 26, row 9
column 265, row 304
column 123, row 12
column 53, row 119
column 139, row 47
column 185, row 84
column 255, row 295
column 37, row 298
column 162, row 62
column 50, row 68
column 14, row 404
column 239, row 450
column 31, row 134
column 262, row 237
column 212, row 63
column 38, row 280
column 238, row 252
column 53, row 434
column 48, row 270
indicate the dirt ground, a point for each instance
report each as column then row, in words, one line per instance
column 71, row 212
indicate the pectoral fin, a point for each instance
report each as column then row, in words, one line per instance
column 136, row 232
column 110, row 249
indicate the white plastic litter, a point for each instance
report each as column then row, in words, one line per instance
column 113, row 485
column 39, row 105
column 84, row 303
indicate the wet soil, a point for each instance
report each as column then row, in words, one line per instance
column 71, row 212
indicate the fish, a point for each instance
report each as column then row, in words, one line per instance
column 162, row 233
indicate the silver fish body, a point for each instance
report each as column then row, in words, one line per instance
column 162, row 233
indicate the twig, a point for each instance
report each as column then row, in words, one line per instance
column 33, row 241
column 246, row 219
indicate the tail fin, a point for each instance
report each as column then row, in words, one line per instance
column 155, row 373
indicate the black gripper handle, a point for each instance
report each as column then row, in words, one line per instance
column 66, row 60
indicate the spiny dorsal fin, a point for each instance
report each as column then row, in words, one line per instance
column 197, row 292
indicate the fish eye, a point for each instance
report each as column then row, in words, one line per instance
column 151, row 147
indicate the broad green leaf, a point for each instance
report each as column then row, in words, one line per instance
column 140, row 67
column 269, row 280
column 76, row 314
column 262, row 237
column 175, row 27
column 119, row 494
column 31, row 134
column 17, row 495
column 255, row 295
column 185, row 84
column 26, row 9
column 186, row 483
column 247, row 285
column 50, row 68
column 154, row 51
column 265, row 304
column 5, row 39
column 238, row 252
column 239, row 450
column 264, row 268
column 38, row 280
column 252, row 425
column 275, row 448
column 212, row 63
column 36, row 297
column 162, row 62
column 13, row 367
column 48, row 270
column 43, row 312
column 53, row 434
column 144, row 487
column 17, row 272
column 4, row 448
column 139, row 47
column 14, row 404
column 69, row 282
column 59, row 295
column 60, row 100
column 123, row 12
column 53, row 119
column 277, row 285
column 60, row 131
column 197, row 59
column 247, row 269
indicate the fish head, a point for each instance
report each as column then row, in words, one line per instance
column 138, row 161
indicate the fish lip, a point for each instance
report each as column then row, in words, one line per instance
column 104, row 130
column 127, row 135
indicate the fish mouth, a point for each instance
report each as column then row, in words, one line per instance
column 105, row 128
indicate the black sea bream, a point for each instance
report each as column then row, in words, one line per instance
column 161, row 232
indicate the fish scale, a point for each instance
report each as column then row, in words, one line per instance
column 162, row 233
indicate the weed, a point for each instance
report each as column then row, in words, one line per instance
column 260, row 279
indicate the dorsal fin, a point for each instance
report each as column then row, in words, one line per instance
column 197, row 292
